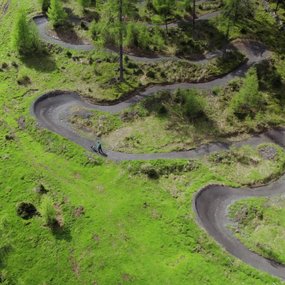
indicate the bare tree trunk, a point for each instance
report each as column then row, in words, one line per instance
column 277, row 6
column 194, row 14
column 237, row 5
column 228, row 30
column 121, row 41
column 229, row 15
column 165, row 21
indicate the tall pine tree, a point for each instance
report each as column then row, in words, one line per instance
column 25, row 36
column 164, row 8
column 56, row 13
column 45, row 5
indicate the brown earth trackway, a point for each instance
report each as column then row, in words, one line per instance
column 210, row 203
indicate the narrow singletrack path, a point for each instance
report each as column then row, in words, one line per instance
column 42, row 24
column 211, row 203
column 211, row 207
column 52, row 109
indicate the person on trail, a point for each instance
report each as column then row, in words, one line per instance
column 99, row 147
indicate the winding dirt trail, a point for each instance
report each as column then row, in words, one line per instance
column 211, row 203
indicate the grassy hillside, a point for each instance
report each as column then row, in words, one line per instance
column 118, row 226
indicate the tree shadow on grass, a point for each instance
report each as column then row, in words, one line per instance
column 201, row 127
column 4, row 252
column 62, row 233
column 68, row 34
column 270, row 80
column 41, row 62
column 192, row 46
column 264, row 31
column 71, row 16
column 207, row 128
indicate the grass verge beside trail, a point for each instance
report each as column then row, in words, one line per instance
column 259, row 224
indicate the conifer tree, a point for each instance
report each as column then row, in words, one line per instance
column 249, row 99
column 238, row 10
column 164, row 8
column 45, row 5
column 84, row 3
column 25, row 36
column 56, row 13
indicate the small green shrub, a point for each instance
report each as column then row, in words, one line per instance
column 249, row 100
column 136, row 35
column 216, row 90
column 156, row 168
column 84, row 3
column 48, row 212
column 26, row 210
column 268, row 75
column 56, row 13
column 232, row 156
column 245, row 211
column 192, row 103
column 23, row 79
column 151, row 74
column 150, row 171
column 139, row 36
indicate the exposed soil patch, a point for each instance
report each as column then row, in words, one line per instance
column 75, row 265
column 96, row 238
column 40, row 189
column 59, row 217
column 21, row 123
column 79, row 211
column 268, row 152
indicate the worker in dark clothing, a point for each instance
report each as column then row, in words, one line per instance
column 99, row 147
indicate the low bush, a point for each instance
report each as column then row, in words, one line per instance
column 192, row 103
column 56, row 13
column 24, row 80
column 26, row 210
column 268, row 75
column 245, row 213
column 249, row 100
column 48, row 212
column 84, row 3
column 150, row 171
column 156, row 168
column 136, row 35
column 232, row 156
